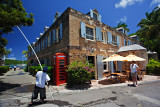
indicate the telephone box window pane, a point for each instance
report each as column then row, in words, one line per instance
column 61, row 62
column 61, row 65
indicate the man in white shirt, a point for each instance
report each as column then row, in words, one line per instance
column 42, row 78
column 134, row 68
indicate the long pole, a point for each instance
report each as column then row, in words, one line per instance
column 35, row 55
column 31, row 47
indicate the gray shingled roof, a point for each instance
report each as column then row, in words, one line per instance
column 131, row 47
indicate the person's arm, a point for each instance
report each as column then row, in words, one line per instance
column 47, row 80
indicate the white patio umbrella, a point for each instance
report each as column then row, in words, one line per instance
column 133, row 58
column 114, row 57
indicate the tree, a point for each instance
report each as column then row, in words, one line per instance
column 150, row 26
column 3, row 50
column 150, row 30
column 120, row 24
column 25, row 53
column 13, row 14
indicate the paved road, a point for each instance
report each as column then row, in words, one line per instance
column 145, row 95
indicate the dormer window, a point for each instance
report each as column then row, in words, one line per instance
column 95, row 16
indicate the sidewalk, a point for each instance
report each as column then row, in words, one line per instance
column 94, row 84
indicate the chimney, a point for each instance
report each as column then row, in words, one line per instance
column 46, row 28
column 37, row 39
column 41, row 34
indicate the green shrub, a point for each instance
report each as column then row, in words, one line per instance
column 153, row 67
column 34, row 69
column 4, row 69
column 79, row 73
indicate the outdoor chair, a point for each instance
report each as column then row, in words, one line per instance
column 117, row 71
column 143, row 72
column 114, row 77
column 123, row 78
column 124, row 72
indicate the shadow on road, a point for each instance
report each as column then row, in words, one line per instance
column 55, row 102
column 7, row 86
column 78, row 87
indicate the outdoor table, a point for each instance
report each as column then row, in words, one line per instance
column 116, row 75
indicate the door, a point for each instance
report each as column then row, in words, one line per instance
column 99, row 67
column 119, row 66
column 111, row 67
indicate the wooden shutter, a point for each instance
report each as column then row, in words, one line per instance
column 91, row 13
column 109, row 37
column 61, row 29
column 83, row 30
column 98, row 34
column 50, row 41
column 54, row 36
column 99, row 18
column 118, row 40
column 100, row 67
column 46, row 41
column 129, row 42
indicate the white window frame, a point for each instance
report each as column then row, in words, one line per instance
column 91, row 35
column 105, row 63
column 96, row 14
column 104, row 37
column 114, row 42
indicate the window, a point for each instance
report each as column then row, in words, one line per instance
column 126, row 42
column 89, row 33
column 105, row 65
column 95, row 16
column 104, row 39
column 114, row 40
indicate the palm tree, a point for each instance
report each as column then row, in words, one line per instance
column 120, row 24
column 150, row 27
column 150, row 30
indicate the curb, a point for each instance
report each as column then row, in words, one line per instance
column 112, row 85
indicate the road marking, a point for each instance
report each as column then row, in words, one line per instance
column 141, row 97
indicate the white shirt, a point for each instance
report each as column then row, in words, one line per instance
column 133, row 68
column 41, row 79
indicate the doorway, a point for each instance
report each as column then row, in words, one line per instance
column 90, row 60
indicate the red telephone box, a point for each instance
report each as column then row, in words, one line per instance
column 59, row 67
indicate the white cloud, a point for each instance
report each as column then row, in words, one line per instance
column 11, row 58
column 123, row 19
column 12, row 55
column 10, row 49
column 155, row 2
column 159, row 5
column 125, row 3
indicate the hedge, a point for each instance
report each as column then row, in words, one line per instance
column 153, row 67
column 34, row 69
column 4, row 69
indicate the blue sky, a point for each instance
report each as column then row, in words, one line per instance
column 112, row 11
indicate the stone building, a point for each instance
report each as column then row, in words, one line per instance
column 81, row 37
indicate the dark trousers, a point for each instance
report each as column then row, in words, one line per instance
column 37, row 90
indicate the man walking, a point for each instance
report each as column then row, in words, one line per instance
column 42, row 78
